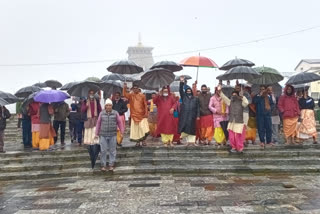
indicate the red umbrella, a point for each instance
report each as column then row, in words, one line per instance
column 199, row 61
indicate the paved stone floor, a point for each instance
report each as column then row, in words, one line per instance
column 223, row 193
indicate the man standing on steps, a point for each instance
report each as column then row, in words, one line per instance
column 4, row 115
column 120, row 106
column 189, row 113
column 107, row 124
column 206, row 120
column 61, row 112
column 139, row 129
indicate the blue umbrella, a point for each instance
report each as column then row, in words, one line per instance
column 50, row 96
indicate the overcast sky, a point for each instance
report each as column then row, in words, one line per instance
column 43, row 31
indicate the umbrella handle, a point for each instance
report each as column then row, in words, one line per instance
column 197, row 73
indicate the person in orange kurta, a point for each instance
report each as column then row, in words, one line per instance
column 139, row 127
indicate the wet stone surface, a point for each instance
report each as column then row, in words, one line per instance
column 224, row 193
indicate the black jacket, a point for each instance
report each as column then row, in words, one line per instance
column 120, row 106
column 3, row 117
column 189, row 111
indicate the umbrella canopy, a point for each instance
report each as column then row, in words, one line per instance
column 125, row 67
column 40, row 85
column 93, row 79
column 236, row 62
column 276, row 88
column 54, row 84
column 26, row 91
column 170, row 65
column 301, row 87
column 186, row 77
column 82, row 88
column 10, row 98
column 175, row 86
column 50, row 96
column 157, row 77
column 3, row 102
column 269, row 76
column 141, row 85
column 110, row 87
column 199, row 61
column 303, row 77
column 113, row 77
column 67, row 86
column 240, row 72
column 94, row 151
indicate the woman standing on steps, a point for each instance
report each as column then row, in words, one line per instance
column 289, row 108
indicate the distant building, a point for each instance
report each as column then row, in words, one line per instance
column 311, row 65
column 141, row 55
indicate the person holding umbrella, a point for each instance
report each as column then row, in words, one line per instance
column 189, row 114
column 264, row 104
column 139, row 129
column 108, row 123
column 289, row 108
column 47, row 133
column 4, row 115
column 33, row 112
column 236, row 126
column 92, row 108
column 275, row 118
column 61, row 112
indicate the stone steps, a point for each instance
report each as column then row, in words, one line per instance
column 75, row 162
column 148, row 169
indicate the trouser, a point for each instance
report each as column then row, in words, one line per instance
column 236, row 139
column 108, row 145
column 80, row 130
column 1, row 140
column 19, row 122
column 73, row 130
column 264, row 126
column 62, row 125
column 26, row 132
column 275, row 132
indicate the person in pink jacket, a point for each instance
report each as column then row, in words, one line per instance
column 220, row 113
column 289, row 108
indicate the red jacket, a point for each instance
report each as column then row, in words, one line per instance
column 288, row 106
column 34, row 112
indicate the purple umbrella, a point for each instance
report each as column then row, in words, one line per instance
column 51, row 96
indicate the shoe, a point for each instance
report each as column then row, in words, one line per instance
column 111, row 168
column 315, row 142
column 63, row 143
column 233, row 151
column 103, row 169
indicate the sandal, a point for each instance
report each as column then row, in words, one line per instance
column 262, row 145
column 103, row 169
column 138, row 144
column 144, row 143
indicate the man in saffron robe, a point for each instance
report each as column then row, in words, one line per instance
column 139, row 127
column 166, row 123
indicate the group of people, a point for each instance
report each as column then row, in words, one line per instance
column 194, row 116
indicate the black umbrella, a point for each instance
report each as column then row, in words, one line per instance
column 10, row 98
column 125, row 67
column 186, row 77
column 175, row 86
column 94, row 151
column 3, row 102
column 141, row 85
column 26, row 91
column 110, row 87
column 81, row 89
column 113, row 77
column 170, row 65
column 157, row 77
column 54, row 84
column 40, row 85
column 303, row 77
column 224, row 126
column 240, row 72
column 236, row 62
column 67, row 86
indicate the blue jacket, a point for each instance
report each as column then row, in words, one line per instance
column 260, row 105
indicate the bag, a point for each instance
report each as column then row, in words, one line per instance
column 175, row 114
